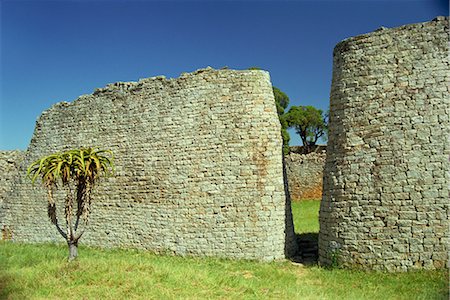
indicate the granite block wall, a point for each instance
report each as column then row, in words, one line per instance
column 10, row 162
column 198, row 167
column 305, row 174
column 386, row 185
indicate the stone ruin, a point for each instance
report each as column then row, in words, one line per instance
column 199, row 165
column 305, row 173
column 386, row 202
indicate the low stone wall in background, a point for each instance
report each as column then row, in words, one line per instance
column 304, row 174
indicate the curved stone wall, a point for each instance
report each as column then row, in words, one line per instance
column 198, row 167
column 386, row 186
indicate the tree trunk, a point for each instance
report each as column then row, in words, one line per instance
column 73, row 250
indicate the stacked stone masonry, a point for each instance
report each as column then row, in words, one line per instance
column 9, row 170
column 386, row 186
column 304, row 174
column 198, row 167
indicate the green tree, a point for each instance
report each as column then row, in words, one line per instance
column 76, row 172
column 282, row 102
column 310, row 124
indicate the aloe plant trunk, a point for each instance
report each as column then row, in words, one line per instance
column 73, row 250
column 76, row 172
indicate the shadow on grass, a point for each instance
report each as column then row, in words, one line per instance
column 7, row 287
column 308, row 249
column 5, row 281
column 5, row 278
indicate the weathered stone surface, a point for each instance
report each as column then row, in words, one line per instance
column 305, row 173
column 198, row 167
column 9, row 170
column 386, row 185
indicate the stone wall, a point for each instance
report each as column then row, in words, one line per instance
column 305, row 173
column 198, row 167
column 9, row 169
column 386, row 186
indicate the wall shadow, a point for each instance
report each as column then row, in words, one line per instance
column 308, row 249
column 291, row 245
column 299, row 248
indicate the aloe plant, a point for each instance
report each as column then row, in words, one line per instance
column 76, row 172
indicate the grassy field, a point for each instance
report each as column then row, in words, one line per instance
column 41, row 272
column 306, row 216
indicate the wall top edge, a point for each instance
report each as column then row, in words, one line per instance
column 343, row 45
column 120, row 89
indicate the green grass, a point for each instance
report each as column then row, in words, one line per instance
column 306, row 216
column 42, row 272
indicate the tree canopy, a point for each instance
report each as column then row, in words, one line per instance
column 282, row 102
column 309, row 122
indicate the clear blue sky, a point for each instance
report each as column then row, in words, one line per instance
column 54, row 51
